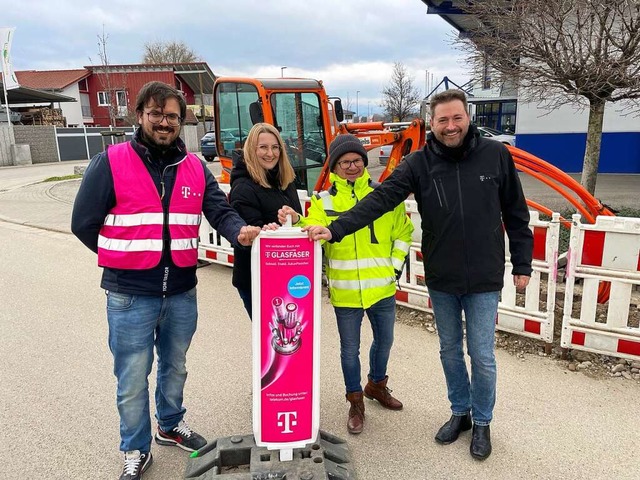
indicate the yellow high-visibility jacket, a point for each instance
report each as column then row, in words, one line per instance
column 361, row 268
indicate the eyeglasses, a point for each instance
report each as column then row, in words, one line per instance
column 346, row 164
column 173, row 119
column 266, row 148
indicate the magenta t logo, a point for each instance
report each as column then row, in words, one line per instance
column 186, row 191
column 288, row 422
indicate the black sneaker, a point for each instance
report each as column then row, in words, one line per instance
column 135, row 464
column 181, row 436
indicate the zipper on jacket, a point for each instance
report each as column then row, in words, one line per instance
column 438, row 193
column 165, row 207
column 444, row 196
column 464, row 236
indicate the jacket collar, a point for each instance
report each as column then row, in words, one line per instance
column 174, row 153
column 338, row 183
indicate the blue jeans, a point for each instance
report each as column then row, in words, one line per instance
column 137, row 323
column 245, row 295
column 382, row 316
column 480, row 310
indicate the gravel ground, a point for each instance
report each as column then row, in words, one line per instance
column 586, row 363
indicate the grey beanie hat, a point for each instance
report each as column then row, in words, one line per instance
column 345, row 143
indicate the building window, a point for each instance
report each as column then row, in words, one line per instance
column 104, row 99
column 83, row 85
column 497, row 115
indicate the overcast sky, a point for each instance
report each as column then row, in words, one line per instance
column 349, row 44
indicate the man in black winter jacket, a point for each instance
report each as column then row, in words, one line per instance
column 467, row 191
column 139, row 208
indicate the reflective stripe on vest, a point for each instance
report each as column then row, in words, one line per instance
column 132, row 234
column 358, row 285
column 364, row 274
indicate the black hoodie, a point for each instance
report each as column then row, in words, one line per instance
column 258, row 206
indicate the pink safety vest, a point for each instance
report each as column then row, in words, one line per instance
column 131, row 237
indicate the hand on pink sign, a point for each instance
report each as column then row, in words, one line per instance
column 287, row 210
column 317, row 232
column 248, row 234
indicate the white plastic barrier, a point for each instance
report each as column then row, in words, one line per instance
column 213, row 247
column 605, row 252
column 533, row 319
column 530, row 318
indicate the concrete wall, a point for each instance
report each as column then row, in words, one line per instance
column 6, row 140
column 44, row 148
column 41, row 139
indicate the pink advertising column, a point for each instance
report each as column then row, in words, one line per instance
column 286, row 294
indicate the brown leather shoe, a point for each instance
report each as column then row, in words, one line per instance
column 381, row 393
column 355, row 424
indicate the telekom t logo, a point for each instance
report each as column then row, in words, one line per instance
column 286, row 420
column 186, row 191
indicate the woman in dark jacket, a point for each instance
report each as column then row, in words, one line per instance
column 262, row 182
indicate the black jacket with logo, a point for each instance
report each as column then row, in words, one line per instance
column 257, row 206
column 464, row 203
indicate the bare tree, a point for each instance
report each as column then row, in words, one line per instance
column 168, row 52
column 580, row 52
column 347, row 104
column 105, row 77
column 112, row 84
column 400, row 97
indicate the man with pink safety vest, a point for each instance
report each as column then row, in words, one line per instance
column 139, row 208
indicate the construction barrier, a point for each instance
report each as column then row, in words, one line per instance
column 523, row 314
column 607, row 251
column 604, row 252
column 213, row 247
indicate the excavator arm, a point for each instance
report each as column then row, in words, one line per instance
column 405, row 137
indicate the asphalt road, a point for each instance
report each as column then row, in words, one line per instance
column 58, row 392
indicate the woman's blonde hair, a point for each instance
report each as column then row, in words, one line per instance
column 258, row 174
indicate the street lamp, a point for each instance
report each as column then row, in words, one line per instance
column 282, row 71
column 357, row 106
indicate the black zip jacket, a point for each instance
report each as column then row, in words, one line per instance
column 463, row 201
column 257, row 206
column 96, row 197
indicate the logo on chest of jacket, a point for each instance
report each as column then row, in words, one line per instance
column 186, row 192
column 484, row 177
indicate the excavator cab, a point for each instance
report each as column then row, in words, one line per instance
column 299, row 108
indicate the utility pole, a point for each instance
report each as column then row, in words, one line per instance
column 357, row 105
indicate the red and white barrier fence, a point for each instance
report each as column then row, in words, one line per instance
column 604, row 252
column 533, row 318
column 525, row 315
column 607, row 251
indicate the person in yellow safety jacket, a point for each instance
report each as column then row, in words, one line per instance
column 362, row 270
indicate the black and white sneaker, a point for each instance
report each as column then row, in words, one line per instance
column 181, row 436
column 135, row 464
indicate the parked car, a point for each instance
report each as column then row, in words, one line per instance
column 385, row 153
column 208, row 146
column 494, row 134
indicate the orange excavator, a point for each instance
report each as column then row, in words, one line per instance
column 308, row 120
